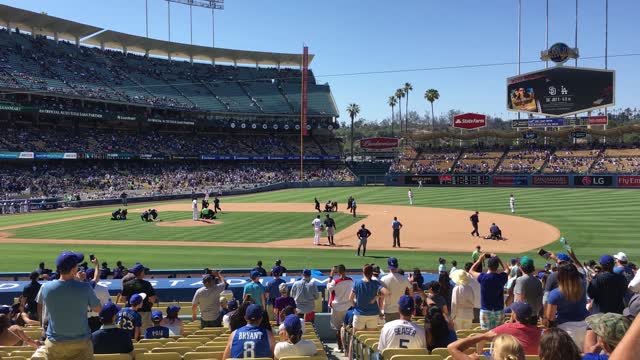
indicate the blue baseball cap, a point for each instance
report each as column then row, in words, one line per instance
column 173, row 309
column 137, row 269
column 156, row 315
column 254, row 274
column 522, row 310
column 67, row 260
column 5, row 309
column 306, row 272
column 607, row 260
column 90, row 273
column 563, row 257
column 254, row 312
column 277, row 270
column 108, row 311
column 392, row 263
column 292, row 324
column 137, row 299
column 405, row 303
column 232, row 305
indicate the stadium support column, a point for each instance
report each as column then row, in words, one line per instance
column 303, row 106
column 606, row 54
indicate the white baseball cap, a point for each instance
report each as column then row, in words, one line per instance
column 620, row 256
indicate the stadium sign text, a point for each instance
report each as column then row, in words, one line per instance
column 559, row 53
column 560, row 122
column 379, row 143
column 469, row 121
column 70, row 113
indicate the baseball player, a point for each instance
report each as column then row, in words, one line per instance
column 330, row 225
column 419, row 184
column 353, row 207
column 317, row 204
column 363, row 235
column 317, row 230
column 216, row 204
column 396, row 226
column 512, row 203
column 474, row 221
column 410, row 193
column 194, row 208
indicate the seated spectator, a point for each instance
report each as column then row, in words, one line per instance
column 289, row 310
column 294, row 345
column 402, row 333
column 20, row 318
column 110, row 339
column 250, row 341
column 29, row 293
column 13, row 335
column 557, row 344
column 129, row 319
column 437, row 329
column 283, row 301
column 157, row 331
column 523, row 326
column 606, row 332
column 173, row 322
column 237, row 320
column 504, row 347
column 232, row 307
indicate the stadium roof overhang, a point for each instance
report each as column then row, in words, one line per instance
column 140, row 44
column 43, row 24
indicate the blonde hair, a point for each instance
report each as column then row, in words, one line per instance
column 506, row 347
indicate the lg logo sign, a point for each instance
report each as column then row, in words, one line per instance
column 593, row 180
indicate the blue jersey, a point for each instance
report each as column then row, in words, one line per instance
column 156, row 332
column 129, row 319
column 250, row 342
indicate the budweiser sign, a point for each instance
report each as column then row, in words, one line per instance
column 379, row 143
column 469, row 121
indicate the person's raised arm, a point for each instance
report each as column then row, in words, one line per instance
column 473, row 271
column 96, row 274
column 457, row 348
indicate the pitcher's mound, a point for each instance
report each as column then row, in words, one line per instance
column 189, row 223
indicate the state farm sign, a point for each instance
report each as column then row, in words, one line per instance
column 469, row 121
column 379, row 143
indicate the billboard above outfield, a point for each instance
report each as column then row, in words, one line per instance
column 560, row 122
column 561, row 91
column 469, row 121
column 379, row 143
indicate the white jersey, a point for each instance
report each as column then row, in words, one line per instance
column 512, row 201
column 396, row 284
column 194, row 204
column 317, row 224
column 402, row 334
column 410, row 194
column 342, row 290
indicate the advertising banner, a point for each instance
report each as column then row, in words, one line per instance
column 50, row 156
column 379, row 143
column 597, row 120
column 510, row 180
column 470, row 180
column 71, row 113
column 152, row 157
column 426, row 180
column 8, row 107
column 125, row 156
column 629, row 181
column 174, row 122
column 594, row 180
column 469, row 121
column 561, row 91
column 9, row 155
column 547, row 122
column 550, row 180
column 529, row 135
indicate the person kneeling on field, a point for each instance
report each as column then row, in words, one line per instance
column 494, row 232
column 116, row 214
column 154, row 214
column 145, row 216
column 207, row 214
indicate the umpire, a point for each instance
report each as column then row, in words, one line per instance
column 396, row 226
column 474, row 221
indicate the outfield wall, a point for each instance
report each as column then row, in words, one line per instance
column 517, row 180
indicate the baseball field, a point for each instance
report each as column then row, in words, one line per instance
column 277, row 224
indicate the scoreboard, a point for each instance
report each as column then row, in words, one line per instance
column 470, row 180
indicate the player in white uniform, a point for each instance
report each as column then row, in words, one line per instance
column 194, row 208
column 410, row 193
column 402, row 333
column 419, row 184
column 317, row 230
column 512, row 203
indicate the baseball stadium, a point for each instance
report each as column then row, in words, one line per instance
column 209, row 176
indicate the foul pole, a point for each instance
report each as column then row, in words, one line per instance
column 303, row 106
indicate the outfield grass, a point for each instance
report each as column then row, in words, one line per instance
column 255, row 227
column 595, row 221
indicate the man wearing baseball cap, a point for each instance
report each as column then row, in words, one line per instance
column 397, row 285
column 66, row 300
column 130, row 319
column 157, row 331
column 402, row 333
column 607, row 289
column 255, row 290
column 110, row 339
column 207, row 298
column 528, row 288
column 491, row 291
column 606, row 332
column 250, row 341
column 523, row 327
column 294, row 344
column 305, row 293
column 137, row 286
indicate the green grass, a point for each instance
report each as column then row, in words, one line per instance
column 255, row 227
column 595, row 221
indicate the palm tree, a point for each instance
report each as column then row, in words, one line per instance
column 407, row 88
column 353, row 109
column 399, row 95
column 392, row 102
column 432, row 95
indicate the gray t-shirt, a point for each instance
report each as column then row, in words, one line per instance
column 209, row 301
column 531, row 288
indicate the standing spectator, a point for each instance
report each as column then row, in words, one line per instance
column 402, row 332
column 435, row 299
column 250, row 341
column 491, row 291
column 477, row 255
column 137, row 286
column 556, row 344
column 282, row 302
column 294, row 345
column 607, row 330
column 110, row 339
column 254, row 289
column 339, row 290
column 124, row 197
column 305, row 293
column 66, row 301
column 438, row 332
column 462, row 300
column 129, row 318
column 417, row 278
column 523, row 326
column 397, row 285
column 273, row 286
column 622, row 266
column 364, row 296
column 207, row 298
column 261, row 271
column 567, row 307
column 454, row 266
column 29, row 294
column 173, row 322
column 157, row 331
column 445, row 287
column 528, row 288
column 475, row 285
column 552, row 279
column 607, row 289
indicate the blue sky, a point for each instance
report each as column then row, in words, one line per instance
column 356, row 36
